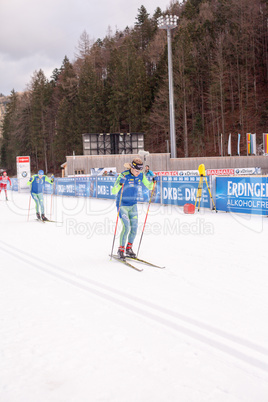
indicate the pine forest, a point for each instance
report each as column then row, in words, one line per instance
column 120, row 84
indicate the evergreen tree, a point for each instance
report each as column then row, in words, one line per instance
column 9, row 143
column 89, row 102
column 128, row 89
column 66, row 138
column 144, row 28
column 40, row 93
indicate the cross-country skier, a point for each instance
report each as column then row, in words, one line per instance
column 37, row 182
column 3, row 185
column 128, row 212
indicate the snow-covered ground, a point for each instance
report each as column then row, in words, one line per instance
column 77, row 327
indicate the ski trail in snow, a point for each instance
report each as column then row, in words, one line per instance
column 242, row 349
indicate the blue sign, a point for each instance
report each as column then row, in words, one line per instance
column 145, row 193
column 65, row 186
column 48, row 188
column 180, row 190
column 85, row 186
column 81, row 186
column 242, row 194
column 14, row 183
column 92, row 187
column 104, row 187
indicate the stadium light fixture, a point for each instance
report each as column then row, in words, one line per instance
column 168, row 23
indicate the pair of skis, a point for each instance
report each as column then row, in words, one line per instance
column 48, row 220
column 128, row 264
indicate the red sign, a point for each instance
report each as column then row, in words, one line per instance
column 220, row 172
column 23, row 159
column 172, row 173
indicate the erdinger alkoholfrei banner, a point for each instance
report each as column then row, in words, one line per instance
column 23, row 172
column 242, row 194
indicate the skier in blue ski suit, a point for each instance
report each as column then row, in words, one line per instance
column 128, row 212
column 37, row 182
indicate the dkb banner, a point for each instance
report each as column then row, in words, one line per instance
column 106, row 183
column 48, row 188
column 85, row 186
column 104, row 187
column 242, row 194
column 145, row 194
column 181, row 190
column 65, row 186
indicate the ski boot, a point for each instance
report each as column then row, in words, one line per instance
column 38, row 216
column 121, row 254
column 44, row 218
column 129, row 252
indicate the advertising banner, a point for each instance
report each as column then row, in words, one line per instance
column 220, row 172
column 85, row 186
column 232, row 171
column 82, row 186
column 145, row 194
column 188, row 173
column 247, row 171
column 14, row 183
column 92, row 187
column 157, row 194
column 182, row 190
column 242, row 194
column 170, row 173
column 23, row 172
column 65, row 186
column 48, row 188
column 104, row 187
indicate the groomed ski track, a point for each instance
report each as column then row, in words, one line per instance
column 213, row 337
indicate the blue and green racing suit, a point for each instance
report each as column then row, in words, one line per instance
column 128, row 212
column 37, row 188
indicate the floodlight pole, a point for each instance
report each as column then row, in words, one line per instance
column 168, row 23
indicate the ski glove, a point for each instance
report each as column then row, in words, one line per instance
column 31, row 179
column 155, row 178
column 122, row 180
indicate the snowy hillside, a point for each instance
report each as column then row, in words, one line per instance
column 77, row 327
